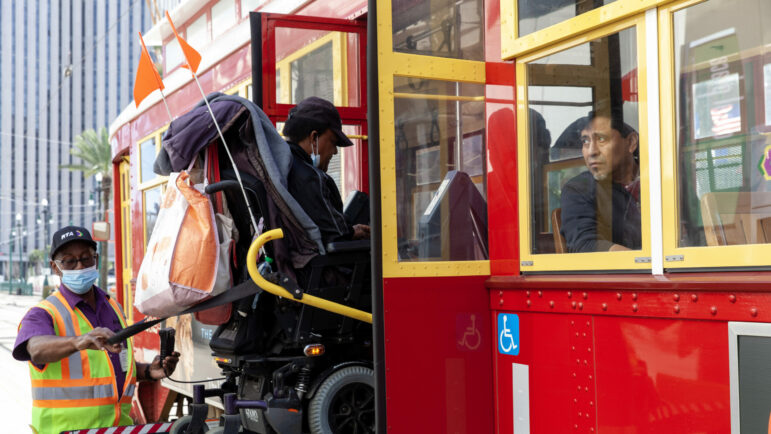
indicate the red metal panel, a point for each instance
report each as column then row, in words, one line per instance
column 345, row 9
column 662, row 376
column 437, row 351
column 713, row 296
column 492, row 31
column 502, row 184
column 544, row 344
column 618, row 374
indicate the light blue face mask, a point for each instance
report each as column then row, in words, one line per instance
column 80, row 281
column 315, row 157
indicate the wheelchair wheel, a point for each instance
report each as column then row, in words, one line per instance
column 344, row 403
column 180, row 425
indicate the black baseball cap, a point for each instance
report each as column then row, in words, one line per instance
column 69, row 234
column 320, row 111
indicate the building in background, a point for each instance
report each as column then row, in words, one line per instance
column 65, row 66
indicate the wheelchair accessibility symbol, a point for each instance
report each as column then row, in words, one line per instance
column 508, row 334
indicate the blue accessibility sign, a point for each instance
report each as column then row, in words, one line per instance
column 508, row 334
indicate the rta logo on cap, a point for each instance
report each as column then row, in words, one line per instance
column 78, row 234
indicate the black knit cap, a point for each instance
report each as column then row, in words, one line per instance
column 322, row 112
column 69, row 234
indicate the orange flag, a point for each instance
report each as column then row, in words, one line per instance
column 147, row 79
column 191, row 56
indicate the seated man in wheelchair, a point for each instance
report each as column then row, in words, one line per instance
column 314, row 132
column 263, row 349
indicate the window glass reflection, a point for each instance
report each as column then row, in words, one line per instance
column 722, row 75
column 584, row 147
column 152, row 202
column 147, row 151
column 321, row 63
column 443, row 28
column 534, row 15
column 440, row 170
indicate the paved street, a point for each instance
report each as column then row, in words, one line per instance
column 15, row 398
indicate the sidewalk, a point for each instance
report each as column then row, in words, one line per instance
column 15, row 395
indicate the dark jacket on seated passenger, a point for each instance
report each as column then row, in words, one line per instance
column 317, row 194
column 596, row 215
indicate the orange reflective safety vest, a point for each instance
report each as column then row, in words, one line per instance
column 79, row 391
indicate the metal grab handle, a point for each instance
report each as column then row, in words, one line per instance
column 330, row 306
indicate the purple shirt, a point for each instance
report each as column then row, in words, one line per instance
column 37, row 322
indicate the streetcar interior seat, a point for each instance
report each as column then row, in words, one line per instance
column 734, row 218
column 560, row 245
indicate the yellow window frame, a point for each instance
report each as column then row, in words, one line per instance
column 155, row 182
column 392, row 64
column 625, row 260
column 240, row 89
column 125, row 211
column 513, row 46
column 339, row 67
column 675, row 257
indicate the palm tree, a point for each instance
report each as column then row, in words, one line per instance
column 94, row 150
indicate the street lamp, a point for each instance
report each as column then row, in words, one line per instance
column 18, row 231
column 44, row 205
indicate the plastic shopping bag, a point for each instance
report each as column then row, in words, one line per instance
column 181, row 260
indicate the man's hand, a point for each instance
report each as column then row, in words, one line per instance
column 360, row 232
column 96, row 339
column 163, row 369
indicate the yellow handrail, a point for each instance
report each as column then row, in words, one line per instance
column 310, row 300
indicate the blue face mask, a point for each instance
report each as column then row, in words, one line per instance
column 315, row 157
column 80, row 281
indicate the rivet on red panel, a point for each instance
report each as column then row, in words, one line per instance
column 528, row 293
column 676, row 297
column 580, row 306
column 634, row 307
column 585, row 295
column 528, row 303
column 573, row 304
column 713, row 310
column 570, row 294
column 754, row 311
column 677, row 308
column 694, row 298
column 618, row 296
column 540, row 293
column 551, row 303
column 732, row 298
column 634, row 296
column 604, row 306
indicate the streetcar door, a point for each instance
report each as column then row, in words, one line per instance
column 295, row 57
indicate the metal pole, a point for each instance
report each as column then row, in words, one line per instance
column 21, row 264
column 10, row 261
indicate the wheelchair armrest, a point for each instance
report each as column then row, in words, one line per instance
column 348, row 246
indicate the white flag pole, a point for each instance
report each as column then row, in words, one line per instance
column 227, row 149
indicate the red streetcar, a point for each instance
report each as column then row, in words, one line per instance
column 570, row 201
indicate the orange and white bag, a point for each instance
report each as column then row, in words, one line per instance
column 181, row 260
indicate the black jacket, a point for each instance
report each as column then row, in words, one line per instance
column 596, row 215
column 317, row 194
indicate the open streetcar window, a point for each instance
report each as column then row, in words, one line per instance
column 720, row 132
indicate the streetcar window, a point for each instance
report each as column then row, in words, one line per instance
column 147, row 150
column 534, row 15
column 152, row 204
column 722, row 81
column 440, row 170
column 443, row 28
column 321, row 63
column 584, row 147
